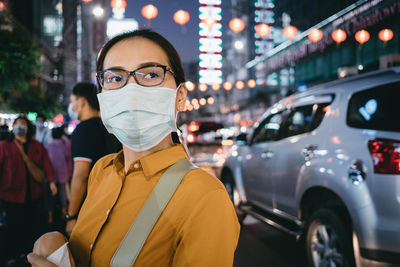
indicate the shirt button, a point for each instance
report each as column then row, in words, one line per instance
column 108, row 211
column 136, row 165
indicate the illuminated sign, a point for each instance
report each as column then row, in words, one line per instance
column 210, row 43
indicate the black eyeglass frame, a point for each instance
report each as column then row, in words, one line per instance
column 100, row 75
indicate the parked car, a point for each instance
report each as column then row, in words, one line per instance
column 324, row 165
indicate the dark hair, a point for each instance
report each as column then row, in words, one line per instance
column 88, row 91
column 31, row 128
column 40, row 115
column 172, row 54
column 57, row 132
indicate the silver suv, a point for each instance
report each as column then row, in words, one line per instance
column 324, row 165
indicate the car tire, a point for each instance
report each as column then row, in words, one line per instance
column 233, row 194
column 328, row 241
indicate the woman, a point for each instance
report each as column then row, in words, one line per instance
column 142, row 83
column 20, row 193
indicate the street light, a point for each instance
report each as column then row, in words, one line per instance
column 238, row 45
column 98, row 11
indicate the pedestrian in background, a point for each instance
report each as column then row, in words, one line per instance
column 90, row 142
column 20, row 193
column 43, row 134
column 59, row 155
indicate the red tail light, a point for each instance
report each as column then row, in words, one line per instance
column 385, row 155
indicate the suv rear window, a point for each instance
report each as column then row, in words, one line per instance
column 375, row 108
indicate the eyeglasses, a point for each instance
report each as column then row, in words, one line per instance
column 112, row 79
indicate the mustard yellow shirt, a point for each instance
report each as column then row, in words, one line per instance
column 198, row 227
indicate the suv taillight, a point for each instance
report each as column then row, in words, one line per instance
column 385, row 155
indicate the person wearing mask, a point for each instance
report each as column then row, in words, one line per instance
column 43, row 134
column 143, row 89
column 59, row 155
column 20, row 193
column 89, row 142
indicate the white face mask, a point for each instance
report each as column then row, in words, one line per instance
column 72, row 114
column 140, row 117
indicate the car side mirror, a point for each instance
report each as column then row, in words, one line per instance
column 241, row 139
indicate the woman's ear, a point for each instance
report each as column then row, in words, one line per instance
column 181, row 97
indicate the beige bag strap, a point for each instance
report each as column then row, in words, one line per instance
column 131, row 245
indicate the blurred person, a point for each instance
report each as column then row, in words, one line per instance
column 43, row 134
column 4, row 132
column 89, row 142
column 20, row 194
column 59, row 155
column 143, row 89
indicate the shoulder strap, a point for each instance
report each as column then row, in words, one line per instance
column 131, row 245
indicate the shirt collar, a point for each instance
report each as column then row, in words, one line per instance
column 154, row 162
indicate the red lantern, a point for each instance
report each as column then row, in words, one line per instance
column 203, row 87
column 149, row 12
column 59, row 119
column 290, row 31
column 210, row 100
column 216, row 86
column 228, row 86
column 239, row 85
column 2, row 6
column 190, row 86
column 315, row 35
column 181, row 17
column 263, row 30
column 203, row 101
column 251, row 83
column 339, row 35
column 236, row 25
column 385, row 35
column 362, row 36
column 118, row 4
column 195, row 102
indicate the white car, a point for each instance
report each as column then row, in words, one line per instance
column 324, row 165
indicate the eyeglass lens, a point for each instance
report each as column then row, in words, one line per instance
column 147, row 76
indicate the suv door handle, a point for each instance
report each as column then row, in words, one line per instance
column 267, row 154
column 309, row 150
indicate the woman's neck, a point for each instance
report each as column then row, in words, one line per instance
column 131, row 156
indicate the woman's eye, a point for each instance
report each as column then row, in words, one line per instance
column 113, row 78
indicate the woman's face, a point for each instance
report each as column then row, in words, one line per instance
column 21, row 122
column 133, row 53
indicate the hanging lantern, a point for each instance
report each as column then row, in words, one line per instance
column 263, row 30
column 290, row 31
column 85, row 1
column 251, row 83
column 210, row 100
column 116, row 4
column 236, row 25
column 203, row 101
column 181, row 17
column 239, row 85
column 195, row 102
column 149, row 12
column 339, row 35
column 216, row 86
column 315, row 35
column 190, row 86
column 190, row 108
column 362, row 36
column 385, row 35
column 228, row 86
column 203, row 87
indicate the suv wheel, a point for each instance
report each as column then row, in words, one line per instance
column 328, row 241
column 233, row 195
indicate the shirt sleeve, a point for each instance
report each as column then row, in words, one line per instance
column 83, row 147
column 209, row 236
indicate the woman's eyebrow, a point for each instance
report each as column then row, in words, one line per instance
column 141, row 65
